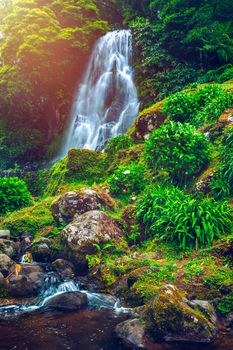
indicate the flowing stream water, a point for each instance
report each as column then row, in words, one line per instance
column 106, row 103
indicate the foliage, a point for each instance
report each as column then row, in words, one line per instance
column 225, row 305
column 118, row 143
column 127, row 179
column 13, row 194
column 222, row 184
column 177, row 149
column 173, row 215
column 198, row 108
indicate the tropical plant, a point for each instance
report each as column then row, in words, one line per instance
column 177, row 149
column 171, row 214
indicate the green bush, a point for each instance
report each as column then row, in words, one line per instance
column 178, row 150
column 222, row 184
column 127, row 179
column 171, row 214
column 118, row 143
column 198, row 108
column 13, row 194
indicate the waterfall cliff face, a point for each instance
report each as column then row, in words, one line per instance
column 106, row 103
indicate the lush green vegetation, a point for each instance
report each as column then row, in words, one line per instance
column 171, row 214
column 177, row 149
column 198, row 108
column 13, row 194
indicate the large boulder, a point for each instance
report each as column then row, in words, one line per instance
column 132, row 333
column 85, row 199
column 65, row 269
column 86, row 230
column 7, row 265
column 174, row 318
column 67, row 301
column 41, row 250
column 27, row 280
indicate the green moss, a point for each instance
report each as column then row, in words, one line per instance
column 31, row 219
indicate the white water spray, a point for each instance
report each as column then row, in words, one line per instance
column 106, row 104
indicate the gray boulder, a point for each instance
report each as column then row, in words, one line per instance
column 85, row 199
column 67, row 301
column 86, row 230
column 132, row 333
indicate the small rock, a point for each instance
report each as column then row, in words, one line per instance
column 9, row 248
column 5, row 233
column 225, row 290
column 67, row 301
column 132, row 333
column 7, row 265
column 41, row 252
column 65, row 269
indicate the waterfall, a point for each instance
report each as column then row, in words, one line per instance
column 106, row 103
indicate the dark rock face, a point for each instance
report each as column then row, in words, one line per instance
column 174, row 318
column 41, row 252
column 67, row 301
column 7, row 265
column 27, row 282
column 9, row 248
column 132, row 333
column 93, row 227
column 82, row 201
column 65, row 269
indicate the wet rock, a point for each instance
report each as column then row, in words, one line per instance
column 173, row 319
column 132, row 333
column 86, row 230
column 26, row 241
column 41, row 252
column 7, row 265
column 79, row 202
column 28, row 281
column 225, row 290
column 67, row 301
column 5, row 233
column 64, row 268
column 10, row 248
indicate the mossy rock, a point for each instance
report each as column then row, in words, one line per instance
column 83, row 164
column 148, row 120
column 174, row 318
column 127, row 157
column 29, row 220
column 80, row 165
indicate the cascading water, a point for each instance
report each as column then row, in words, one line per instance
column 106, row 104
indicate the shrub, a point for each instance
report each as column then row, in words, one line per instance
column 222, row 184
column 127, row 179
column 181, row 106
column 118, row 143
column 13, row 194
column 200, row 107
column 177, row 149
column 171, row 214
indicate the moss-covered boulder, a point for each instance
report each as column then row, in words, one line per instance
column 10, row 248
column 85, row 199
column 147, row 121
column 174, row 318
column 83, row 164
column 86, row 232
